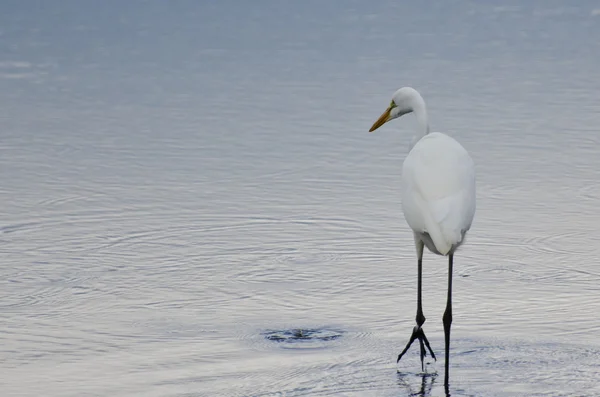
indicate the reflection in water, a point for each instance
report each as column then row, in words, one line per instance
column 423, row 389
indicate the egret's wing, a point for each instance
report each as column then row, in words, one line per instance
column 421, row 218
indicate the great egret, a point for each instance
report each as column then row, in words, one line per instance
column 438, row 200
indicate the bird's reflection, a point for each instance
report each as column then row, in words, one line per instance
column 420, row 388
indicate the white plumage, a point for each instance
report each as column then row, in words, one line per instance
column 438, row 192
column 438, row 201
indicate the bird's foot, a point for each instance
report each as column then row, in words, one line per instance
column 419, row 334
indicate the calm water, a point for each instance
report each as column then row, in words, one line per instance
column 191, row 204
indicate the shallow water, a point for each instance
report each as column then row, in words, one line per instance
column 191, row 204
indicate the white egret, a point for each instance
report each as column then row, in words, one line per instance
column 438, row 200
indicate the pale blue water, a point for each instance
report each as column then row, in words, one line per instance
column 185, row 184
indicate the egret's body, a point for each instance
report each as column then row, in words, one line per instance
column 438, row 192
column 438, row 200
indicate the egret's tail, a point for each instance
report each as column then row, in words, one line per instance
column 438, row 220
column 437, row 236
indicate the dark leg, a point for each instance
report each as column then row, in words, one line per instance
column 448, row 318
column 420, row 318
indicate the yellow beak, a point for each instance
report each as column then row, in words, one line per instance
column 384, row 118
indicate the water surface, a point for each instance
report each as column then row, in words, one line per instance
column 182, row 181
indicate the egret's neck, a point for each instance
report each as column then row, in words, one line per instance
column 422, row 121
column 422, row 124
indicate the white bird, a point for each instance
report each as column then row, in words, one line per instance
column 438, row 200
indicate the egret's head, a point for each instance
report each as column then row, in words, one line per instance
column 404, row 101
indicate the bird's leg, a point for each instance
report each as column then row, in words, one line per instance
column 418, row 332
column 448, row 318
column 420, row 318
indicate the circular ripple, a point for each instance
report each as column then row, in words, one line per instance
column 303, row 338
column 563, row 243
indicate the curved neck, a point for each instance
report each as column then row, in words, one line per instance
column 422, row 121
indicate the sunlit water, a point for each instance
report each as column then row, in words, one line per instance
column 191, row 204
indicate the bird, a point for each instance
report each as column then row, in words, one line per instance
column 438, row 201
